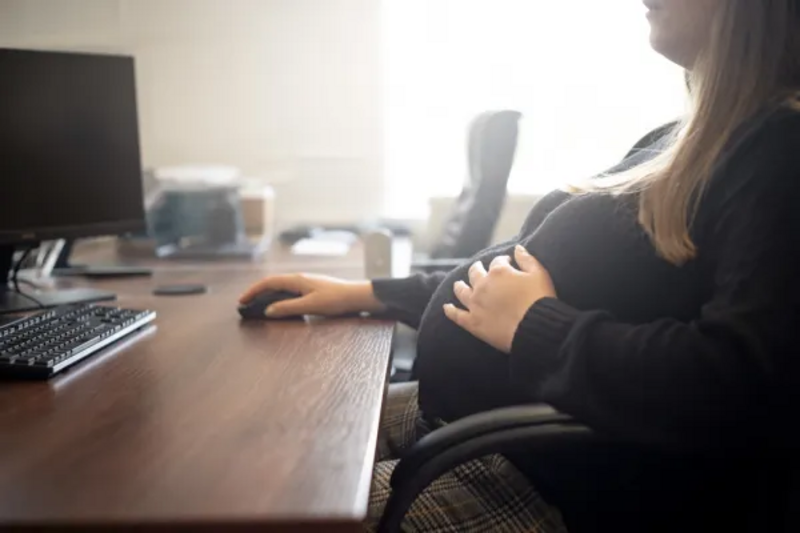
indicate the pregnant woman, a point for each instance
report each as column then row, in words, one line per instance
column 658, row 303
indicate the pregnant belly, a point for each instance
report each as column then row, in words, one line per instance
column 458, row 374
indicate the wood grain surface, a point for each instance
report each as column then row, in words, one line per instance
column 202, row 421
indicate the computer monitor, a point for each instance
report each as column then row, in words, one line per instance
column 70, row 164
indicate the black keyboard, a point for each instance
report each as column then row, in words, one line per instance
column 44, row 344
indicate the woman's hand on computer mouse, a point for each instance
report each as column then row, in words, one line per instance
column 321, row 295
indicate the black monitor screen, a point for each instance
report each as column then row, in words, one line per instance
column 69, row 146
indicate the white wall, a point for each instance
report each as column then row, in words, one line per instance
column 288, row 90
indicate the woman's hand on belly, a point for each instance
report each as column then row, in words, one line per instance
column 497, row 300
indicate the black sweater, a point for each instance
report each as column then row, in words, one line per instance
column 677, row 362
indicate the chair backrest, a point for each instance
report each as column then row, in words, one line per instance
column 491, row 148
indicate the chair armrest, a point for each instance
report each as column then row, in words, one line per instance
column 533, row 428
column 428, row 266
column 473, row 428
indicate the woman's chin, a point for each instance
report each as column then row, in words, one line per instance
column 667, row 47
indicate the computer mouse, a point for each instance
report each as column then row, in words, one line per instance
column 254, row 309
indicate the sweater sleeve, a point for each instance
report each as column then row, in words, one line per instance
column 693, row 385
column 406, row 298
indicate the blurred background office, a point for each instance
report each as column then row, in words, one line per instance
column 358, row 110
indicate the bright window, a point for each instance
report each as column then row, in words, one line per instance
column 581, row 72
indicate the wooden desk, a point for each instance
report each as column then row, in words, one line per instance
column 202, row 422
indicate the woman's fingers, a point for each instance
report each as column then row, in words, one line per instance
column 476, row 273
column 288, row 282
column 463, row 293
column 294, row 307
column 459, row 316
column 500, row 261
column 527, row 263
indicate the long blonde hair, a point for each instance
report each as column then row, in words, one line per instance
column 753, row 60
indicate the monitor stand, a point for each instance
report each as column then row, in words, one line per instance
column 101, row 271
column 64, row 268
column 13, row 302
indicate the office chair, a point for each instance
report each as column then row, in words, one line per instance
column 468, row 229
column 539, row 430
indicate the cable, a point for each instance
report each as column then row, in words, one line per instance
column 15, row 280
